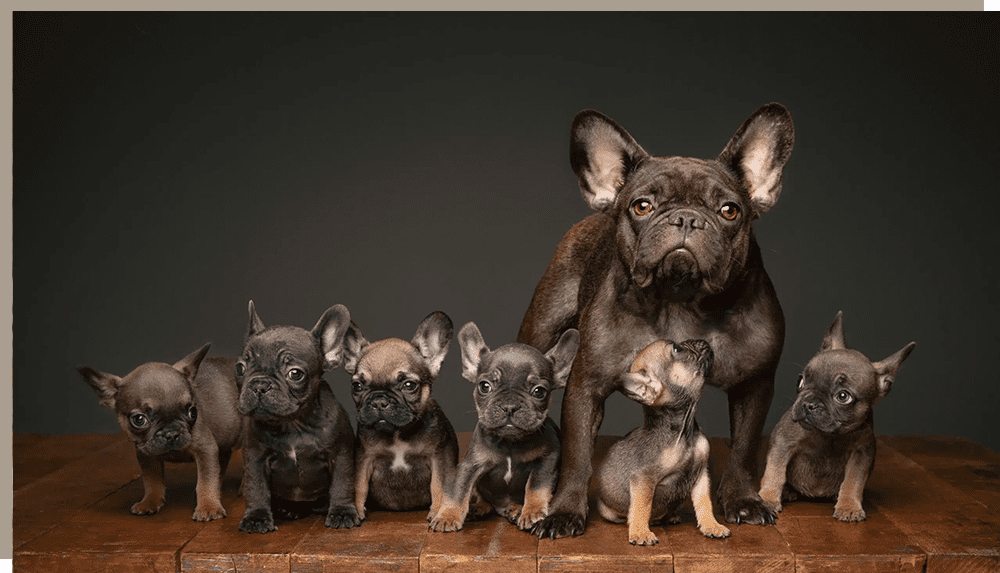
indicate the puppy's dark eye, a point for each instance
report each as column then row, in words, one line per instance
column 844, row 397
column 240, row 369
column 730, row 211
column 485, row 387
column 801, row 382
column 296, row 374
column 192, row 413
column 642, row 207
column 138, row 421
column 539, row 392
column 356, row 386
column 410, row 385
column 677, row 348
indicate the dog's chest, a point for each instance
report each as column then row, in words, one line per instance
column 399, row 456
column 300, row 470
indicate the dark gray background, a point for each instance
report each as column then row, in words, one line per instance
column 170, row 167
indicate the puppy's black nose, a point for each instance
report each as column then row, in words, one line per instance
column 687, row 219
column 812, row 406
column 260, row 385
column 380, row 402
column 170, row 437
column 509, row 409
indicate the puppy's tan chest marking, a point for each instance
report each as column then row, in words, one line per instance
column 399, row 450
column 510, row 470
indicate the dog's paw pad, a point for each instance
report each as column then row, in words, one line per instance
column 714, row 530
column 560, row 525
column 147, row 507
column 208, row 512
column 447, row 520
column 343, row 518
column 258, row 521
column 849, row 514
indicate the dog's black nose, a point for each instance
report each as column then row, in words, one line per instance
column 509, row 409
column 380, row 402
column 687, row 219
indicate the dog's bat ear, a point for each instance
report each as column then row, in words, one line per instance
column 354, row 345
column 188, row 366
column 330, row 331
column 561, row 356
column 834, row 339
column 104, row 385
column 254, row 325
column 432, row 339
column 758, row 152
column 886, row 369
column 473, row 348
column 603, row 155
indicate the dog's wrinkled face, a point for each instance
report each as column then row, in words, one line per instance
column 154, row 403
column 282, row 367
column 839, row 386
column 683, row 225
column 513, row 384
column 391, row 379
column 668, row 374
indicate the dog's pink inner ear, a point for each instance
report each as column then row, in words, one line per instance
column 758, row 152
column 601, row 152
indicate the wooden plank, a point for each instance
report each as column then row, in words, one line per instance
column 827, row 544
column 957, row 532
column 56, row 496
column 386, row 541
column 962, row 463
column 493, row 544
column 38, row 455
column 603, row 547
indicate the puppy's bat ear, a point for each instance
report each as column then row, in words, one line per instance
column 473, row 347
column 329, row 331
column 432, row 340
column 758, row 151
column 354, row 345
column 603, row 155
column 254, row 325
column 561, row 356
column 188, row 366
column 886, row 369
column 641, row 387
column 834, row 339
column 104, row 385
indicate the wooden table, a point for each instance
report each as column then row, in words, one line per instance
column 933, row 505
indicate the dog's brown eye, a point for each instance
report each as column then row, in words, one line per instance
column 138, row 421
column 844, row 397
column 730, row 211
column 192, row 413
column 485, row 387
column 296, row 374
column 642, row 207
column 240, row 369
column 409, row 385
column 539, row 392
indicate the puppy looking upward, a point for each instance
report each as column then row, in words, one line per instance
column 653, row 468
column 514, row 452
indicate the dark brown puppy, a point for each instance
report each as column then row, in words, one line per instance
column 654, row 468
column 406, row 449
column 824, row 445
column 513, row 457
column 299, row 452
column 671, row 255
column 177, row 413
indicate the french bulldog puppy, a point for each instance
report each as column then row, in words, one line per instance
column 649, row 472
column 514, row 452
column 406, row 450
column 176, row 413
column 670, row 255
column 299, row 453
column 824, row 445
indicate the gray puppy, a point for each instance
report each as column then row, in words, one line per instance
column 514, row 452
column 670, row 255
column 176, row 413
column 299, row 452
column 649, row 472
column 824, row 445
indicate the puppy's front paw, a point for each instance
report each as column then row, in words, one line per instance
column 771, row 503
column 147, row 506
column 752, row 511
column 258, row 521
column 714, row 530
column 448, row 519
column 642, row 537
column 529, row 516
column 209, row 510
column 563, row 524
column 849, row 513
column 343, row 518
column 478, row 510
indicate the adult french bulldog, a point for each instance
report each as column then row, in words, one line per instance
column 670, row 255
column 824, row 445
column 299, row 452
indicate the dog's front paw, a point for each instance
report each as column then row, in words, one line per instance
column 343, row 517
column 448, row 519
column 849, row 513
column 563, row 524
column 258, row 521
column 771, row 503
column 714, row 530
column 478, row 510
column 642, row 537
column 147, row 506
column 207, row 511
column 529, row 516
column 752, row 511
